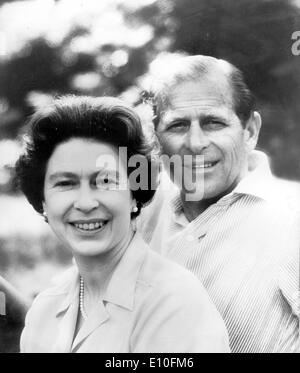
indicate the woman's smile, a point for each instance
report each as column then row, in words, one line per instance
column 89, row 227
column 90, row 219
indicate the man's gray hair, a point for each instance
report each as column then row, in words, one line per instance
column 172, row 69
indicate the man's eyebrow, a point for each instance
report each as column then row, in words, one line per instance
column 212, row 117
column 173, row 118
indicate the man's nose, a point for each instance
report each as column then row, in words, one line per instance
column 196, row 138
column 86, row 199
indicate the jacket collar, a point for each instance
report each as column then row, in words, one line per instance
column 258, row 182
column 68, row 288
column 122, row 285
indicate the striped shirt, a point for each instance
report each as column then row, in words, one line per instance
column 245, row 250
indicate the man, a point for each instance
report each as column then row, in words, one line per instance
column 241, row 236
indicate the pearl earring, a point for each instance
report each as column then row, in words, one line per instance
column 45, row 216
column 134, row 209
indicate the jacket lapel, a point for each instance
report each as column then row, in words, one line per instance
column 120, row 291
column 67, row 312
column 93, row 322
column 67, row 326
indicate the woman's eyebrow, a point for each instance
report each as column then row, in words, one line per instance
column 70, row 175
column 108, row 171
column 57, row 175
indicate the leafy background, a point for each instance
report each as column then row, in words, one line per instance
column 92, row 47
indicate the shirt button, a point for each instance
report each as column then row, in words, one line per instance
column 190, row 238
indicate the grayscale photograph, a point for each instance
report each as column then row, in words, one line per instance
column 149, row 178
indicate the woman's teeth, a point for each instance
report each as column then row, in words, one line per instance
column 90, row 226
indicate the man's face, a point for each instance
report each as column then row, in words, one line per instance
column 200, row 120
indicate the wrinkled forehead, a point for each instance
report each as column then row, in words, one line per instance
column 211, row 90
column 199, row 98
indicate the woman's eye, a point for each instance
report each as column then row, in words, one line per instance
column 64, row 183
column 106, row 182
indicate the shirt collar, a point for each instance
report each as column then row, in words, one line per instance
column 122, row 285
column 176, row 203
column 258, row 182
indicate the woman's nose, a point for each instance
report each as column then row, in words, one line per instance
column 86, row 199
column 196, row 138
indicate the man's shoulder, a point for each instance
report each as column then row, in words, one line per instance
column 285, row 200
column 290, row 192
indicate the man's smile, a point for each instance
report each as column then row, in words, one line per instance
column 201, row 165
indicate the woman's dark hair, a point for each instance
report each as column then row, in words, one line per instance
column 104, row 119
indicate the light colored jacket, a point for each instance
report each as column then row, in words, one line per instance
column 151, row 305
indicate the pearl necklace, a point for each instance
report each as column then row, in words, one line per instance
column 81, row 299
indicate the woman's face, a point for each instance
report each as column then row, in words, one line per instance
column 85, row 207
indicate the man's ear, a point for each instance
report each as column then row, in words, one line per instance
column 252, row 129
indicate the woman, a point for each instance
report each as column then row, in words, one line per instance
column 119, row 297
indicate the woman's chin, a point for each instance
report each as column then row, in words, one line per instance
column 90, row 250
column 88, row 243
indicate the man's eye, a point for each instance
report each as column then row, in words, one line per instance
column 177, row 126
column 214, row 125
